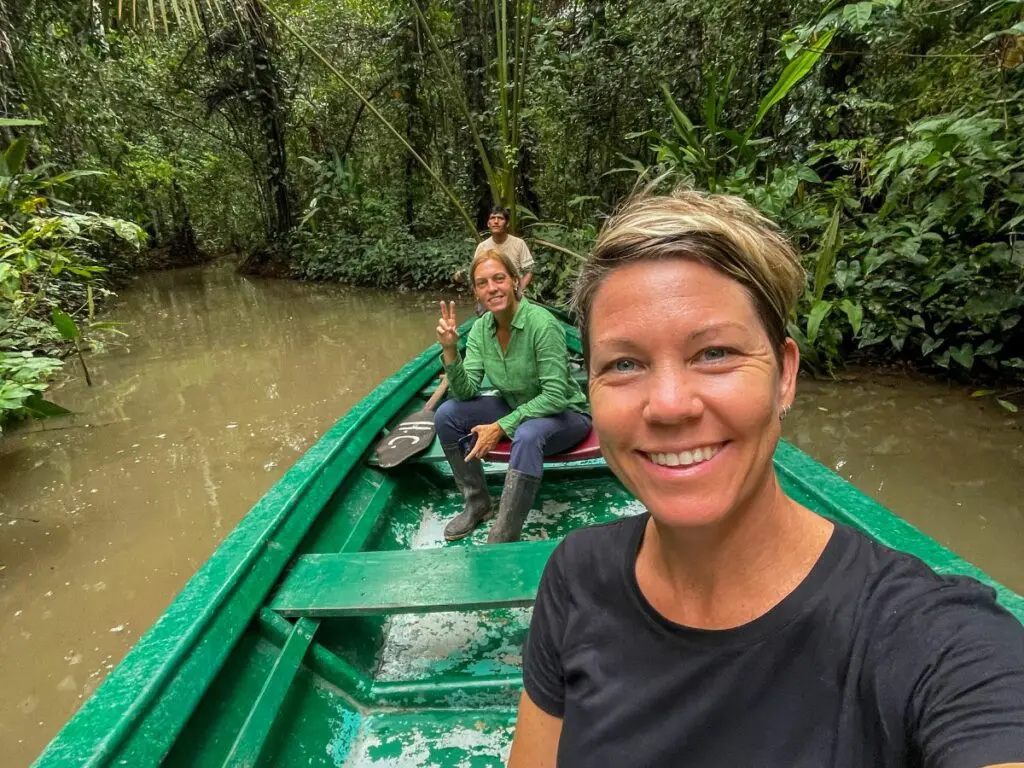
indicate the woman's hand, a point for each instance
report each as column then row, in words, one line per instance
column 448, row 331
column 487, row 436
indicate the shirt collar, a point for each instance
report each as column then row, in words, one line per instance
column 518, row 319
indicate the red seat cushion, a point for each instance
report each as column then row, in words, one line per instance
column 588, row 449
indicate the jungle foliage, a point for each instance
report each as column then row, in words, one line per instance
column 49, row 267
column 364, row 141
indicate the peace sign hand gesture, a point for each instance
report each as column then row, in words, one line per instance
column 448, row 329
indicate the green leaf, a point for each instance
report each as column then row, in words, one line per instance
column 794, row 72
column 945, row 142
column 826, row 260
column 1016, row 29
column 818, row 313
column 735, row 137
column 1008, row 226
column 854, row 313
column 805, row 173
column 17, row 122
column 988, row 347
column 1007, row 405
column 67, row 176
column 858, row 14
column 846, row 273
column 43, row 408
column 14, row 157
column 929, row 345
column 127, row 231
column 963, row 355
column 684, row 127
column 66, row 327
column 983, row 392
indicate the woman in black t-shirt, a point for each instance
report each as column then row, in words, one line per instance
column 730, row 625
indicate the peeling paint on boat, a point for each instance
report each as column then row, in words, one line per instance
column 431, row 745
column 474, row 643
column 346, row 731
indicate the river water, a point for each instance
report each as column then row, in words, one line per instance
column 224, row 381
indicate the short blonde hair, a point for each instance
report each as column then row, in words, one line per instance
column 493, row 254
column 720, row 231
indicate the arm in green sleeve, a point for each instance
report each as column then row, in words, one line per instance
column 552, row 369
column 466, row 373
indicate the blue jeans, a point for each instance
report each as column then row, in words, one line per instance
column 534, row 438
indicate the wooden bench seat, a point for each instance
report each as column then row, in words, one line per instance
column 414, row 581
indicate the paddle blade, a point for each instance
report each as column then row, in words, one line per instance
column 411, row 435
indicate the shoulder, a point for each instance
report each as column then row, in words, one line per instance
column 539, row 316
column 903, row 589
column 482, row 325
column 944, row 662
column 588, row 553
column 914, row 615
column 483, row 246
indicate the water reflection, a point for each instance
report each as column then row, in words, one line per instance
column 222, row 384
column 948, row 464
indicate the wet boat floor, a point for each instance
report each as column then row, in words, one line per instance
column 449, row 680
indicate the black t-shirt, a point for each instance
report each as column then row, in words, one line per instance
column 873, row 660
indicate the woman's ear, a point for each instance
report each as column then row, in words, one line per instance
column 790, row 367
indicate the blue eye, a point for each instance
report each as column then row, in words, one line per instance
column 713, row 354
column 625, row 366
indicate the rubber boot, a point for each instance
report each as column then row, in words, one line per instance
column 516, row 499
column 469, row 477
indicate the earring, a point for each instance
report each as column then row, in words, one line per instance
column 784, row 412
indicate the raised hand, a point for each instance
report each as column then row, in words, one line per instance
column 448, row 328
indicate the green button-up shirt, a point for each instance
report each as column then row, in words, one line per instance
column 532, row 375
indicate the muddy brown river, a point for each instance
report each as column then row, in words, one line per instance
column 224, row 381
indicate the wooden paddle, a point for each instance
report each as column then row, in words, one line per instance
column 412, row 434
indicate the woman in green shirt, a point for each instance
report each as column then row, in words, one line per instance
column 520, row 347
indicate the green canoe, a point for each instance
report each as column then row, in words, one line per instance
column 334, row 627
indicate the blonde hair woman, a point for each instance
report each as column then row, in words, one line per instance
column 520, row 347
column 729, row 625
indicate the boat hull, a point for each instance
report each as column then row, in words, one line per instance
column 263, row 659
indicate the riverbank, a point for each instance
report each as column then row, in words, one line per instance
column 970, row 339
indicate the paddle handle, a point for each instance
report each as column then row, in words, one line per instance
column 438, row 394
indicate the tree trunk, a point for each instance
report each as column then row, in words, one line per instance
column 270, row 103
column 474, row 43
column 410, row 76
column 269, row 109
column 182, row 248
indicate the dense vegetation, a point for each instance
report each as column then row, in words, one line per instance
column 364, row 141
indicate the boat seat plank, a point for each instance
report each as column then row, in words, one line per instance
column 250, row 740
column 590, row 448
column 414, row 581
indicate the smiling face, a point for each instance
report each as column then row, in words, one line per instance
column 494, row 287
column 686, row 390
